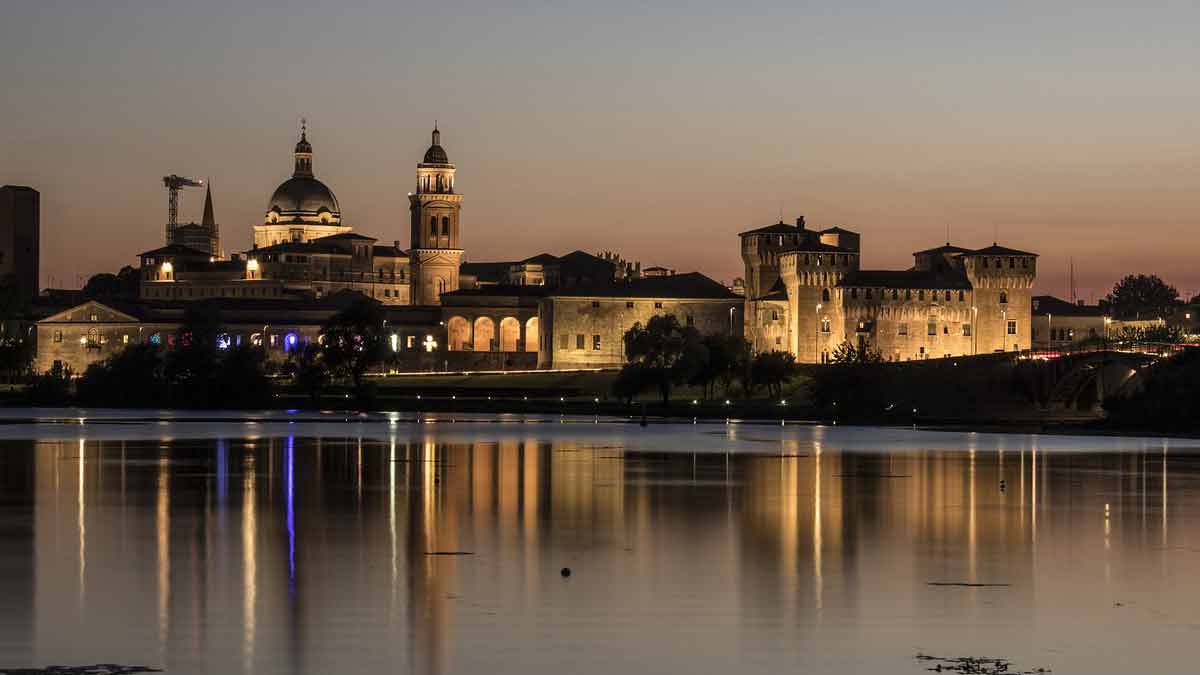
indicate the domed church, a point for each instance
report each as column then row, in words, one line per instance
column 302, row 208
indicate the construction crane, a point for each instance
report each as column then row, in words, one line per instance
column 173, row 184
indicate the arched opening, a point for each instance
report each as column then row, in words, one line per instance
column 510, row 334
column 531, row 335
column 458, row 333
column 485, row 334
column 825, row 295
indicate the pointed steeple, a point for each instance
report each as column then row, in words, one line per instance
column 208, row 218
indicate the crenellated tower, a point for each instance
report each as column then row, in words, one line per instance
column 436, row 251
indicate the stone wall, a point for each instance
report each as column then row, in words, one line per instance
column 589, row 332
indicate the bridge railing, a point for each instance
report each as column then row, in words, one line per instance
column 1156, row 349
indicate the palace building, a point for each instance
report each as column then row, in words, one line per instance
column 806, row 293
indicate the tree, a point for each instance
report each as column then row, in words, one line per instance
column 1141, row 296
column 132, row 378
column 772, row 369
column 191, row 364
column 849, row 353
column 308, row 371
column 240, row 379
column 666, row 352
column 355, row 341
column 727, row 357
column 122, row 285
column 630, row 382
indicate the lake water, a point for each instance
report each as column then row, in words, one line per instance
column 334, row 543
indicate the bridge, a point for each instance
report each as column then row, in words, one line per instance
column 1081, row 378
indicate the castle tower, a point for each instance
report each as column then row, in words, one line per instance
column 436, row 251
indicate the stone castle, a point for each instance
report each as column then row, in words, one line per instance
column 806, row 293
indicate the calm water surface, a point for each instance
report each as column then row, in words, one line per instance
column 342, row 544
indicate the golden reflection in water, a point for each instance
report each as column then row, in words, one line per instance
column 249, row 561
column 818, row 567
column 162, row 522
column 82, row 526
column 392, row 521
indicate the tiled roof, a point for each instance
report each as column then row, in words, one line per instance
column 946, row 248
column 176, row 249
column 346, row 235
column 1048, row 304
column 995, row 249
column 777, row 228
column 388, row 252
column 689, row 285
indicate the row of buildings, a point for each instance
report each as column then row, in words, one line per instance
column 805, row 290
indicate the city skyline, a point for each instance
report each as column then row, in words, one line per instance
column 610, row 129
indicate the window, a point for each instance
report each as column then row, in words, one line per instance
column 1012, row 327
column 691, row 320
column 595, row 303
column 946, row 330
column 1003, row 298
column 920, row 295
column 628, row 304
column 658, row 305
column 824, row 325
column 410, row 341
column 966, row 330
column 931, row 329
column 907, row 294
column 125, row 339
column 902, row 329
column 947, row 296
column 825, row 295
column 774, row 315
column 564, row 341
column 960, row 296
column 58, row 336
column 595, row 343
column 446, row 226
column 778, row 341
column 433, row 225
column 868, row 294
column 579, row 341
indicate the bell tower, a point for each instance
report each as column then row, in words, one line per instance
column 436, row 247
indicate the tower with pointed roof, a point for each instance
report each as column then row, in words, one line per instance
column 436, row 251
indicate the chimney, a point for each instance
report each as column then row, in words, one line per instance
column 800, row 222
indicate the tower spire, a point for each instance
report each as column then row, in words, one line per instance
column 437, row 135
column 304, row 152
column 208, row 218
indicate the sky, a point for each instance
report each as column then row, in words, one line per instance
column 656, row 130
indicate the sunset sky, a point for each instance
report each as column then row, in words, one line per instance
column 658, row 130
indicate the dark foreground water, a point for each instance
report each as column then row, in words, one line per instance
column 336, row 544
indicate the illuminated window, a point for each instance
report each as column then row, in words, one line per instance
column 595, row 343
column 966, row 330
column 903, row 329
column 824, row 325
column 58, row 336
column 658, row 305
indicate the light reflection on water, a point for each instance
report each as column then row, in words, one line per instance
column 305, row 547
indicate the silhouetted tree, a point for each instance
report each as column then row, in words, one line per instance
column 1141, row 296
column 308, row 371
column 772, row 369
column 727, row 359
column 355, row 341
column 132, row 378
column 666, row 352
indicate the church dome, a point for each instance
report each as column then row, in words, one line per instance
column 436, row 154
column 304, row 195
